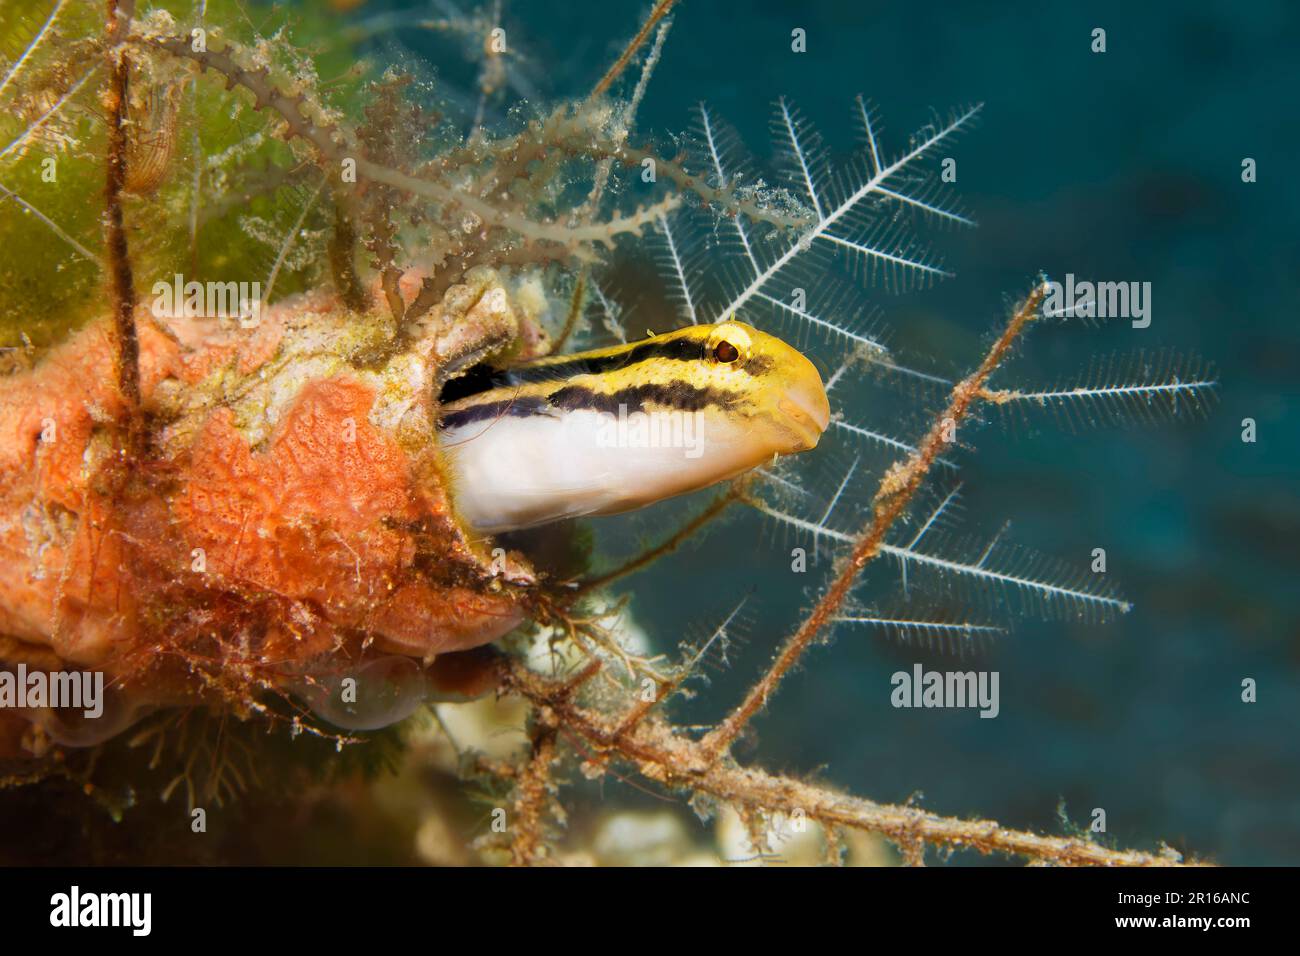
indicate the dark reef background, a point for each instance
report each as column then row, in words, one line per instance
column 1123, row 166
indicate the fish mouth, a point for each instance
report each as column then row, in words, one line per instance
column 807, row 411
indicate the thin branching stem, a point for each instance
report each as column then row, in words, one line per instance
column 897, row 488
column 577, row 305
column 289, row 238
column 618, row 66
column 735, row 492
column 668, row 757
column 31, row 48
column 53, row 226
column 729, row 199
column 531, row 798
column 119, row 259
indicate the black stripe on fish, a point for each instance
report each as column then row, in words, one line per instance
column 680, row 396
column 484, row 378
column 518, row 407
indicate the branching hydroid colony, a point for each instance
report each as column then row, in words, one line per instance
column 285, row 175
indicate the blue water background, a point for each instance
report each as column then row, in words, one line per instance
column 1122, row 166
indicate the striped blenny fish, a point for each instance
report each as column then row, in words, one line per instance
column 610, row 430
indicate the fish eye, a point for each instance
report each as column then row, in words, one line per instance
column 725, row 352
